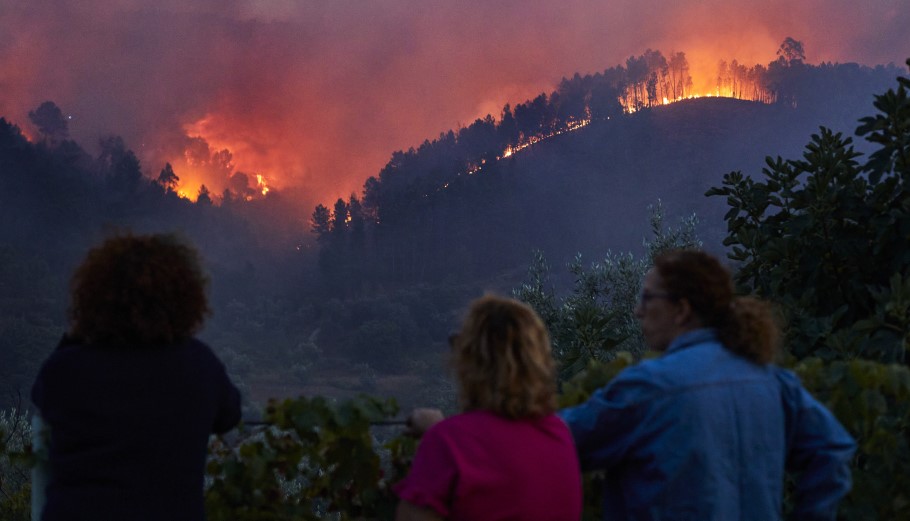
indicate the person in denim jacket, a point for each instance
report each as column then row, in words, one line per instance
column 709, row 430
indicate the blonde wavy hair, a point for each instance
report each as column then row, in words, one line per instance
column 502, row 360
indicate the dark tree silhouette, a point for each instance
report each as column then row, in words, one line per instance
column 679, row 75
column 204, row 197
column 339, row 216
column 50, row 121
column 320, row 222
column 370, row 204
column 508, row 127
column 355, row 213
column 791, row 51
column 119, row 165
column 637, row 70
column 656, row 83
column 167, row 178
column 573, row 98
column 239, row 183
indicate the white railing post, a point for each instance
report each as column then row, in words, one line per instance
column 39, row 471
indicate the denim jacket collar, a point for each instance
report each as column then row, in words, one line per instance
column 690, row 338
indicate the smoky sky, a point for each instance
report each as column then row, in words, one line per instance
column 317, row 94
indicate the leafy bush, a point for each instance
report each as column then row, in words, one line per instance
column 15, row 484
column 315, row 459
column 826, row 237
column 596, row 320
column 872, row 400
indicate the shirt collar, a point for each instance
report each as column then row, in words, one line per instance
column 690, row 338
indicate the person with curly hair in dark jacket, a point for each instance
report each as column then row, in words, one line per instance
column 129, row 396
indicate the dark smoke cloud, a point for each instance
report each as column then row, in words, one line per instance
column 319, row 93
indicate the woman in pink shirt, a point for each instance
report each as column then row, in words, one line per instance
column 507, row 456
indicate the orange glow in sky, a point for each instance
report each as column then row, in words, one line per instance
column 317, row 95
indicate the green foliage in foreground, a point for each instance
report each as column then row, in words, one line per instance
column 15, row 486
column 322, row 460
column 315, row 460
column 872, row 400
column 596, row 319
column 827, row 237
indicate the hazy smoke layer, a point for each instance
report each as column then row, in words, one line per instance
column 319, row 93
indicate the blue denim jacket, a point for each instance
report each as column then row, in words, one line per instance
column 703, row 434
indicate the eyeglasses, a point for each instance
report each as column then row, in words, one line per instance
column 646, row 296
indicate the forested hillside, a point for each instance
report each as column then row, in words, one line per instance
column 570, row 171
column 56, row 201
column 575, row 170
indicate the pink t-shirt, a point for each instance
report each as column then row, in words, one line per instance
column 478, row 466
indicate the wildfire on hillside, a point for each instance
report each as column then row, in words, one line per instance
column 728, row 86
column 219, row 149
column 206, row 164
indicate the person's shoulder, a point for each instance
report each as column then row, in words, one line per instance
column 443, row 432
column 786, row 376
column 66, row 365
column 787, row 379
column 66, row 351
column 553, row 423
column 489, row 425
column 467, row 419
column 645, row 381
column 468, row 422
column 645, row 374
column 199, row 349
column 791, row 386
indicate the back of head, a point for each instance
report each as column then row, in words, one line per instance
column 745, row 325
column 503, row 361
column 138, row 290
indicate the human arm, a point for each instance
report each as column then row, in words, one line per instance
column 819, row 451
column 430, row 483
column 227, row 413
column 421, row 419
column 408, row 511
column 605, row 427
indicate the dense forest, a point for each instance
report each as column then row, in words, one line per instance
column 57, row 201
column 464, row 204
column 368, row 308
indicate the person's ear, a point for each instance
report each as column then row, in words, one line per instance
column 684, row 313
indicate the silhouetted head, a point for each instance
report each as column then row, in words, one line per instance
column 138, row 290
column 690, row 289
column 503, row 361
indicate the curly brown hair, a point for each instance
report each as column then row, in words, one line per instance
column 745, row 325
column 138, row 290
column 503, row 362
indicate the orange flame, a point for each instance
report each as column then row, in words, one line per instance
column 210, row 161
column 263, row 186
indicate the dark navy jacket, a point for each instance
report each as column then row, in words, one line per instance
column 129, row 429
column 704, row 434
